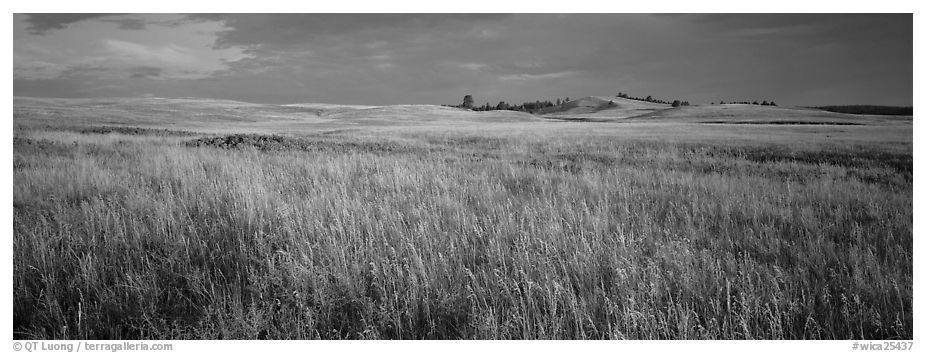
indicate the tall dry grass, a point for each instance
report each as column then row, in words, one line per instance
column 459, row 236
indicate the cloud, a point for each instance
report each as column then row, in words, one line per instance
column 145, row 72
column 37, row 70
column 43, row 23
column 380, row 57
column 134, row 24
column 40, row 70
column 384, row 66
column 174, row 61
column 275, row 30
column 530, row 77
column 84, row 70
column 170, row 54
column 529, row 64
column 807, row 26
column 474, row 66
column 97, row 50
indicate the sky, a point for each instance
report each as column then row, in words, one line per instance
column 378, row 59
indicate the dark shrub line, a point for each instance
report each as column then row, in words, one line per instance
column 867, row 109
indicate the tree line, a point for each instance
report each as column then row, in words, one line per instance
column 527, row 107
column 650, row 99
column 548, row 105
column 772, row 103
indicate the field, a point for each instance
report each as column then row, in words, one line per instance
column 173, row 219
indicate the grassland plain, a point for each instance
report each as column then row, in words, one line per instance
column 557, row 230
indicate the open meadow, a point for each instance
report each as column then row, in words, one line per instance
column 196, row 219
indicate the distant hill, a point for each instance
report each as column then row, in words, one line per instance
column 602, row 108
column 758, row 114
column 868, row 109
column 423, row 113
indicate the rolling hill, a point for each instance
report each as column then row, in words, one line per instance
column 757, row 114
column 612, row 109
column 602, row 108
column 210, row 114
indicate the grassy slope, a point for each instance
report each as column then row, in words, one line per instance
column 207, row 115
column 507, row 230
column 753, row 114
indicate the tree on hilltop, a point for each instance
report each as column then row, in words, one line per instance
column 468, row 101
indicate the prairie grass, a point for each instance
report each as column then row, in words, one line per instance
column 447, row 236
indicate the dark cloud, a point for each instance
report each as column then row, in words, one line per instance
column 838, row 58
column 813, row 27
column 43, row 22
column 289, row 29
column 83, row 70
column 145, row 72
column 135, row 24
